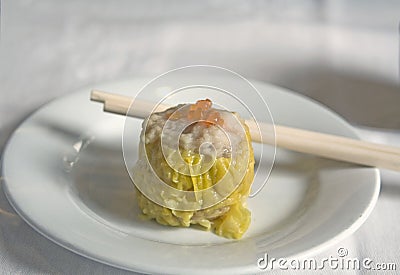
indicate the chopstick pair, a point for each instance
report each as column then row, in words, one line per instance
column 309, row 142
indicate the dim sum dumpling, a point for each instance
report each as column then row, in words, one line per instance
column 205, row 156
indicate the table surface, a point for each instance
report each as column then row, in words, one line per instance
column 333, row 51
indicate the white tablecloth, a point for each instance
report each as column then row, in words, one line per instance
column 50, row 48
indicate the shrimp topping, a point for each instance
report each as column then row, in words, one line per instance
column 202, row 111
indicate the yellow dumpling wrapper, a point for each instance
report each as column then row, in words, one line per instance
column 229, row 218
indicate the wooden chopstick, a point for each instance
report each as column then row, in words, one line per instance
column 309, row 142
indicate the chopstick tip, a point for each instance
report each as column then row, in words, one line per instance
column 96, row 95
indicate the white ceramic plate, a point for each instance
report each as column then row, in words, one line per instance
column 64, row 174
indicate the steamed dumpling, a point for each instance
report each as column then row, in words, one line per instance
column 205, row 152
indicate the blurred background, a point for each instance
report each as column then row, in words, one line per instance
column 344, row 54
